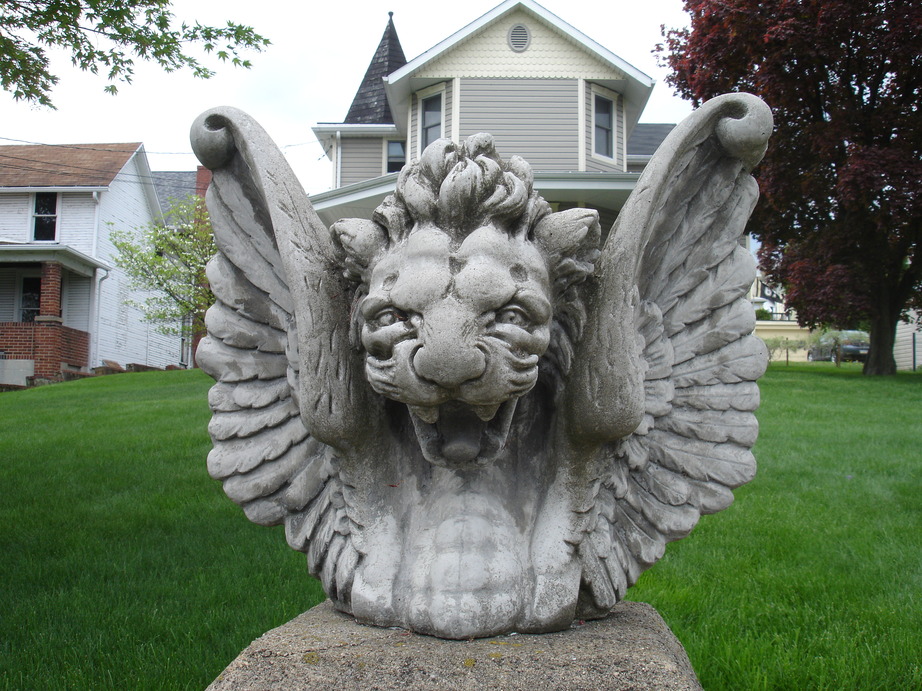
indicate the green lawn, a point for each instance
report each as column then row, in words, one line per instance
column 813, row 578
column 125, row 567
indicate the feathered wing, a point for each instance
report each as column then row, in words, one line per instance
column 689, row 377
column 270, row 354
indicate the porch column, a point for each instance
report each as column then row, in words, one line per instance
column 48, row 336
column 50, row 305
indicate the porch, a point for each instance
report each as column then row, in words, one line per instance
column 46, row 297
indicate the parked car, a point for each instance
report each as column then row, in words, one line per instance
column 850, row 346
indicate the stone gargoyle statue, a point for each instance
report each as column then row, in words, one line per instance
column 470, row 417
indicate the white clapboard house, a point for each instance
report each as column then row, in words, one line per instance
column 64, row 306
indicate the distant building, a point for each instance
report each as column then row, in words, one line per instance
column 542, row 88
column 907, row 351
column 64, row 306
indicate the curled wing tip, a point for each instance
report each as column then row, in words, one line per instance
column 212, row 137
column 745, row 126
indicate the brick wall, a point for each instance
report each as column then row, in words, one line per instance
column 16, row 340
column 48, row 343
column 202, row 180
column 75, row 347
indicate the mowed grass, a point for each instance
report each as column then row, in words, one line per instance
column 813, row 578
column 123, row 565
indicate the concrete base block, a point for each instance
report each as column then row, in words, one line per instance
column 630, row 649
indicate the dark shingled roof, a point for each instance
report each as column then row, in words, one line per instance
column 173, row 186
column 63, row 165
column 646, row 138
column 370, row 103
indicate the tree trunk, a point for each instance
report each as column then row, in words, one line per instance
column 883, row 336
column 199, row 331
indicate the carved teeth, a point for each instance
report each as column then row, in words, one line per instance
column 429, row 415
column 486, row 412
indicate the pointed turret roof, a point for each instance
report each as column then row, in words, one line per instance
column 370, row 103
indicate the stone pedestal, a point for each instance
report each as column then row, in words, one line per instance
column 630, row 649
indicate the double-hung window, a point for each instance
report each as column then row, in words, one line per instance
column 396, row 156
column 30, row 301
column 603, row 114
column 431, row 116
column 45, row 217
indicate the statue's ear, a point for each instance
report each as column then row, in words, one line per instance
column 569, row 233
column 358, row 242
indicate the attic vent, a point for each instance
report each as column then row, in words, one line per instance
column 519, row 38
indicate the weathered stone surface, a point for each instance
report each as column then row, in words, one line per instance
column 632, row 648
column 472, row 415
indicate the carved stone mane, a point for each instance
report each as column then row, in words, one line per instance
column 459, row 188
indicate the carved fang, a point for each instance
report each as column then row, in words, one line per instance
column 486, row 412
column 428, row 415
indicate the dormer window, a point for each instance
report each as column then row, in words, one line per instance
column 45, row 217
column 603, row 126
column 431, row 128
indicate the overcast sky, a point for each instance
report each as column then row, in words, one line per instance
column 309, row 74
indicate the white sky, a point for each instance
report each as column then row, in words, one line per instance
column 309, row 74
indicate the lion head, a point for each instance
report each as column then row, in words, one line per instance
column 467, row 293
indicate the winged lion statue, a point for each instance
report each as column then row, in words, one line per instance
column 470, row 416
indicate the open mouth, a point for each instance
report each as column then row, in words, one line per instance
column 456, row 434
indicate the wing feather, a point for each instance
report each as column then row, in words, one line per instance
column 242, row 455
column 725, row 325
column 270, row 463
column 679, row 239
column 743, row 396
column 247, row 394
column 744, row 360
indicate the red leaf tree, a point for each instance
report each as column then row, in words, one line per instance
column 840, row 219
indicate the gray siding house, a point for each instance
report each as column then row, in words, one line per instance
column 543, row 89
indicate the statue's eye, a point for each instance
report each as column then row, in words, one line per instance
column 389, row 316
column 512, row 315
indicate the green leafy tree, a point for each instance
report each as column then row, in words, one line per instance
column 168, row 258
column 782, row 344
column 107, row 36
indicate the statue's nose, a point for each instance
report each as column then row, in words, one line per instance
column 450, row 365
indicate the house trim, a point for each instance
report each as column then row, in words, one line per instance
column 67, row 257
column 59, row 189
column 456, row 110
column 609, row 95
column 326, row 133
column 422, row 95
column 146, row 177
column 581, row 124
